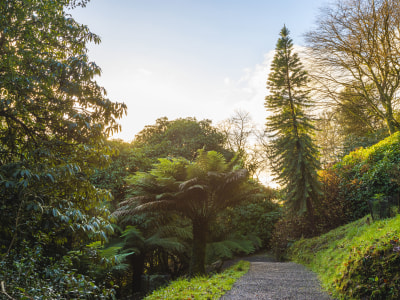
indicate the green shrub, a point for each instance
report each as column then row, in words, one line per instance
column 365, row 173
column 289, row 229
column 27, row 273
column 252, row 218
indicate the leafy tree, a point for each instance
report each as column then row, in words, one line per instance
column 348, row 125
column 180, row 138
column 54, row 121
column 175, row 138
column 125, row 160
column 198, row 191
column 355, row 47
column 292, row 150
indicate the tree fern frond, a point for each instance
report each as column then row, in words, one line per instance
column 137, row 199
column 122, row 267
column 162, row 205
column 198, row 188
column 109, row 252
column 236, row 175
column 232, row 245
column 181, row 232
column 169, row 244
column 184, row 185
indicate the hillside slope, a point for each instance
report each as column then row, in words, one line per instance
column 360, row 260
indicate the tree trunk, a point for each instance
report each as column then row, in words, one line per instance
column 197, row 262
column 311, row 215
column 392, row 125
column 137, row 264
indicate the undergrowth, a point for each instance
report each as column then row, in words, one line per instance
column 356, row 261
column 202, row 287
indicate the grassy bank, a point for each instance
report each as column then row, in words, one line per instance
column 203, row 287
column 356, row 261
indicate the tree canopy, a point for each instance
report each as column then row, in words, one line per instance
column 354, row 48
column 180, row 138
column 54, row 120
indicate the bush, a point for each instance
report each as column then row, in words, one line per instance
column 27, row 273
column 329, row 213
column 257, row 218
column 365, row 173
column 287, row 230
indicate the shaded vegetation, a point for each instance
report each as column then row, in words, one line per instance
column 198, row 191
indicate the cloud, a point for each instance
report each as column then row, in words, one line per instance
column 144, row 72
column 155, row 91
column 248, row 92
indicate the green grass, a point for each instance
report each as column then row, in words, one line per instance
column 203, row 287
column 356, row 260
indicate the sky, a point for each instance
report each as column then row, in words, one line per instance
column 190, row 58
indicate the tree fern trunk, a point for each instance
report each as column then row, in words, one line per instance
column 137, row 264
column 197, row 262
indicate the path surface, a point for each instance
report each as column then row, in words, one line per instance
column 272, row 280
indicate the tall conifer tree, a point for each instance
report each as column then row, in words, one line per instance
column 292, row 151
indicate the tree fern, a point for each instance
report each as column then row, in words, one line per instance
column 197, row 191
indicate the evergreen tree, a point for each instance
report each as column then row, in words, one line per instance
column 292, row 151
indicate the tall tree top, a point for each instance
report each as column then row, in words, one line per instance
column 284, row 41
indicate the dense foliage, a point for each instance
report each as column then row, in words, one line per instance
column 54, row 121
column 252, row 218
column 367, row 173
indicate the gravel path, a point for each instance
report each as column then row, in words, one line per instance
column 271, row 280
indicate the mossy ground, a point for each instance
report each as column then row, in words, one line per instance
column 358, row 260
column 202, row 287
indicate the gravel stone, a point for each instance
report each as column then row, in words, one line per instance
column 271, row 280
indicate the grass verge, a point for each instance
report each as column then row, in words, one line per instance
column 202, row 287
column 355, row 261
